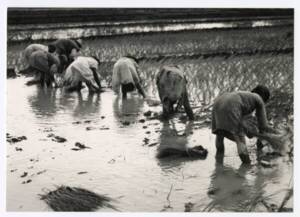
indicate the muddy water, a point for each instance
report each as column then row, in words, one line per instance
column 121, row 161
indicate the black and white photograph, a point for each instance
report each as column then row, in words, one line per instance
column 149, row 109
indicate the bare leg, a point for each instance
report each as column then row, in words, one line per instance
column 220, row 148
column 74, row 86
column 220, row 144
column 179, row 104
column 187, row 106
column 242, row 149
column 140, row 90
column 91, row 87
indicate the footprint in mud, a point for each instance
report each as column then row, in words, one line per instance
column 80, row 146
column 56, row 138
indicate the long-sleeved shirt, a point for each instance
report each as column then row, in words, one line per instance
column 125, row 71
column 230, row 108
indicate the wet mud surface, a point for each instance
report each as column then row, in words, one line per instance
column 111, row 146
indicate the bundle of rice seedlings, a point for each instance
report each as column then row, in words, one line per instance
column 66, row 198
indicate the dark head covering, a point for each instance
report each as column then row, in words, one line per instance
column 263, row 91
column 96, row 58
column 132, row 57
column 51, row 48
column 78, row 42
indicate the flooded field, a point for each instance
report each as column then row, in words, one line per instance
column 121, row 159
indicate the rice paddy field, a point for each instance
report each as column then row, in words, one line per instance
column 121, row 161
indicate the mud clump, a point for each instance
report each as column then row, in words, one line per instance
column 56, row 138
column 19, row 149
column 148, row 113
column 79, row 146
column 188, row 207
column 195, row 152
column 125, row 123
column 15, row 139
column 75, row 199
column 24, row 175
column 90, row 128
column 26, row 182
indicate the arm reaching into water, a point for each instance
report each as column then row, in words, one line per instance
column 138, row 85
column 116, row 80
column 262, row 117
column 136, row 79
column 96, row 77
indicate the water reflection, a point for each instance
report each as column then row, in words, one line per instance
column 44, row 103
column 173, row 145
column 228, row 188
column 130, row 107
column 89, row 106
column 47, row 102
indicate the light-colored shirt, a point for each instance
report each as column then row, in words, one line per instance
column 80, row 69
column 124, row 72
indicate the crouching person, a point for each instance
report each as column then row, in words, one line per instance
column 230, row 115
column 83, row 69
column 126, row 76
column 47, row 66
column 171, row 85
column 28, row 70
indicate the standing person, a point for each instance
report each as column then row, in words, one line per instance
column 83, row 69
column 230, row 114
column 68, row 47
column 126, row 76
